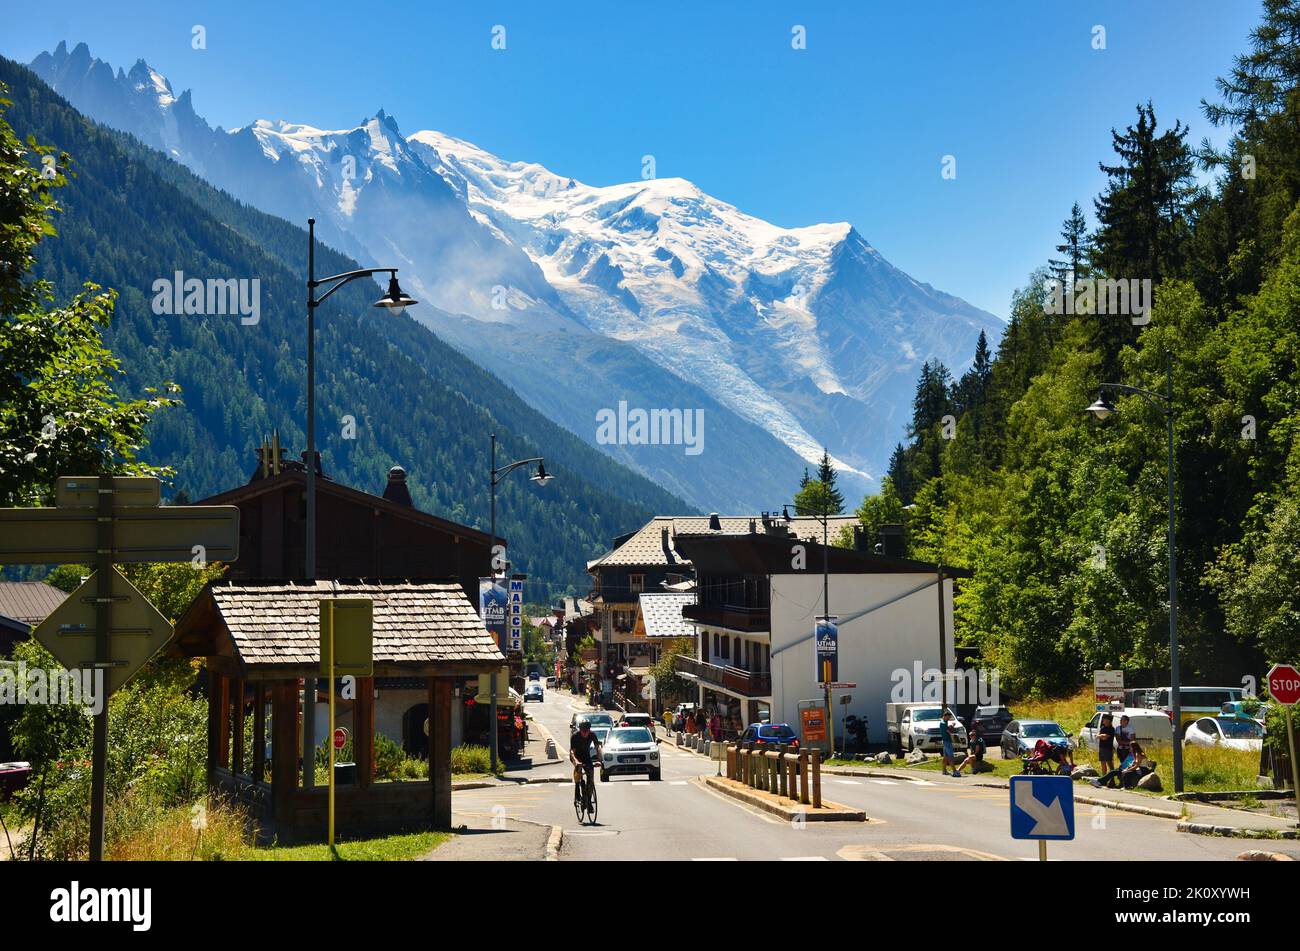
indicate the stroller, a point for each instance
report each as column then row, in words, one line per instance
column 1045, row 759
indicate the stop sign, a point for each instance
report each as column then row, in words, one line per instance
column 340, row 738
column 1284, row 683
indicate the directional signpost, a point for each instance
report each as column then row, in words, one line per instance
column 1042, row 808
column 107, row 625
column 1284, row 687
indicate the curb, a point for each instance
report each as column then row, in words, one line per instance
column 553, row 843
column 805, row 813
column 488, row 784
column 1127, row 807
column 1236, row 832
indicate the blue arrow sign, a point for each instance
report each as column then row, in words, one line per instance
column 1042, row 807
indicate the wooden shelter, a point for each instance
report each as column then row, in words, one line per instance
column 260, row 638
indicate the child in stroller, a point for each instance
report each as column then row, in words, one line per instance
column 1047, row 759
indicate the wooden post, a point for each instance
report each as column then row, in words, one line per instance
column 780, row 774
column 259, row 732
column 223, row 723
column 440, row 710
column 817, row 779
column 237, row 760
column 792, row 783
column 363, row 727
column 284, row 747
column 214, row 723
column 803, row 776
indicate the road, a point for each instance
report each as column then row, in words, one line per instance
column 679, row 819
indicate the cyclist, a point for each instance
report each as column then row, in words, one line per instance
column 580, row 745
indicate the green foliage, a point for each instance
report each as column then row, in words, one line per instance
column 471, row 759
column 59, row 411
column 819, row 496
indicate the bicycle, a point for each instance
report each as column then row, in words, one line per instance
column 584, row 796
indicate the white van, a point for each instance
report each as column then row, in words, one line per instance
column 1151, row 728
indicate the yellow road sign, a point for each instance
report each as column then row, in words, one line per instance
column 139, row 631
column 353, row 637
column 49, row 536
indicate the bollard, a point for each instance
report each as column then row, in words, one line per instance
column 792, row 782
column 803, row 777
column 817, row 779
column 731, row 761
column 774, row 773
column 781, row 788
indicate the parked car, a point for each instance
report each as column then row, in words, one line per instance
column 991, row 722
column 1021, row 736
column 595, row 718
column 1151, row 728
column 639, row 719
column 13, row 777
column 629, row 750
column 534, row 675
column 533, row 692
column 1234, row 733
column 915, row 726
column 775, row 733
column 551, row 682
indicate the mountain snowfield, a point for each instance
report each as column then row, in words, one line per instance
column 582, row 296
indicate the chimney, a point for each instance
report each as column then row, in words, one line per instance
column 663, row 540
column 396, row 490
column 751, row 526
column 715, row 524
column 891, row 541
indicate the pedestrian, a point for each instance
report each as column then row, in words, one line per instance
column 1129, row 772
column 1124, row 738
column 1106, row 743
column 975, row 750
column 945, row 738
column 715, row 726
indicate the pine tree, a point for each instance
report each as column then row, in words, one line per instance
column 1076, row 246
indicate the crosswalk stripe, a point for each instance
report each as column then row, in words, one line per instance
column 848, row 782
column 885, row 782
column 679, row 782
column 804, row 858
column 728, row 859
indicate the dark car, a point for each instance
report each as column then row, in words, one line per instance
column 990, row 721
column 775, row 733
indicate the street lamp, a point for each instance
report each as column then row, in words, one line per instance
column 1102, row 409
column 824, row 518
column 541, row 477
column 395, row 302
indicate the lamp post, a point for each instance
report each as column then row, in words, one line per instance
column 824, row 518
column 1101, row 409
column 541, row 477
column 395, row 301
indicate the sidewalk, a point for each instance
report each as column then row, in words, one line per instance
column 511, row 840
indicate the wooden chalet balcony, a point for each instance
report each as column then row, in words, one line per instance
column 730, row 616
column 747, row 683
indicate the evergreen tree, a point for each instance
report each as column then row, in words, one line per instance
column 1075, row 247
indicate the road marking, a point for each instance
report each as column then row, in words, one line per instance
column 885, row 782
column 679, row 782
column 714, row 860
column 848, row 782
column 804, row 858
column 921, row 782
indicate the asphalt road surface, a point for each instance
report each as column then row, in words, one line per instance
column 679, row 819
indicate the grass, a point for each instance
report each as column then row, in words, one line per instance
column 172, row 838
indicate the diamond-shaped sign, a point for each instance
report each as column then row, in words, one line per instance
column 139, row 631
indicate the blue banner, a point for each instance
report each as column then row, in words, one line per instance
column 493, row 608
column 827, row 636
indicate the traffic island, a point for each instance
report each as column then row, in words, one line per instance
column 783, row 806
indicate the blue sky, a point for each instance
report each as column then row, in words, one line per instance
column 852, row 128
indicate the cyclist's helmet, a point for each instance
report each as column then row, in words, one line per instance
column 584, row 724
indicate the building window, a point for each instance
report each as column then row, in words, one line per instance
column 636, row 583
column 726, row 647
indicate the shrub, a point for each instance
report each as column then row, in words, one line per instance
column 471, row 759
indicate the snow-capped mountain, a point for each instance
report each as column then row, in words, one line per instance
column 580, row 297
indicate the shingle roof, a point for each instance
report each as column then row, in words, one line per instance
column 646, row 546
column 277, row 623
column 662, row 614
column 29, row 601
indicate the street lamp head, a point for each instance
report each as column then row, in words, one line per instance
column 1102, row 408
column 541, row 476
column 785, row 513
column 396, row 300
